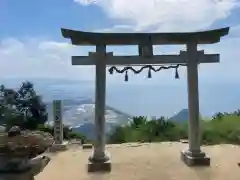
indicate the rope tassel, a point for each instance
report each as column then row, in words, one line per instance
column 149, row 73
column 176, row 73
column 110, row 70
column 126, row 76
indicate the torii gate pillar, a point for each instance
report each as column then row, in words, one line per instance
column 100, row 159
column 194, row 155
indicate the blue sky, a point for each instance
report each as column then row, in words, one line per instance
column 31, row 18
column 31, row 45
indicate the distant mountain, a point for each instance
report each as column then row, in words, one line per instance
column 182, row 116
column 79, row 115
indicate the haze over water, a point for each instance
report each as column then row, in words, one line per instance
column 143, row 99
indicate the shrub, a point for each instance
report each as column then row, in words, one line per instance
column 223, row 128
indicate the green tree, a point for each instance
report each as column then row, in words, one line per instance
column 138, row 121
column 32, row 106
column 8, row 107
column 22, row 107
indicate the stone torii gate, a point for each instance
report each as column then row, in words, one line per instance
column 145, row 41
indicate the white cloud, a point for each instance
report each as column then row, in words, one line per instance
column 52, row 59
column 36, row 58
column 167, row 15
column 180, row 15
column 117, row 28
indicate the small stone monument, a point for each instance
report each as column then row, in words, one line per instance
column 19, row 153
column 59, row 145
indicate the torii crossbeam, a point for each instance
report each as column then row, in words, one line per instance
column 110, row 59
column 145, row 41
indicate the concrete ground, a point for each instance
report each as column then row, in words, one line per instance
column 153, row 161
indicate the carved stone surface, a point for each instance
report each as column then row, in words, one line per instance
column 19, row 151
column 58, row 125
column 24, row 144
column 36, row 165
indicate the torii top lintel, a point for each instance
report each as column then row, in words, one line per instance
column 92, row 38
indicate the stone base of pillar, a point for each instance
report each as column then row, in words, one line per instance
column 99, row 166
column 102, row 164
column 195, row 159
column 58, row 147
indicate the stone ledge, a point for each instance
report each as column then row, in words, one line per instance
column 87, row 146
column 185, row 141
column 99, row 166
column 195, row 161
column 58, row 147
